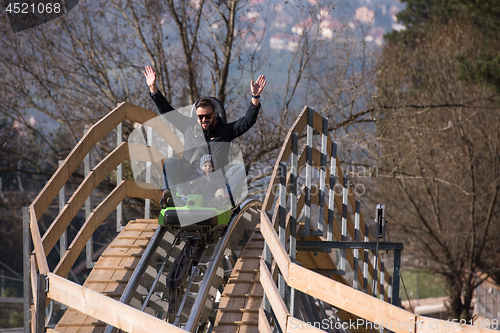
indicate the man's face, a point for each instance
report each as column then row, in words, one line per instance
column 205, row 117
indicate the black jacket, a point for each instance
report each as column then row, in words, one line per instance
column 217, row 138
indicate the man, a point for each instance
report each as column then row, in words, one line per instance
column 216, row 134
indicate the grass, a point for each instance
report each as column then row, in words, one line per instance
column 429, row 285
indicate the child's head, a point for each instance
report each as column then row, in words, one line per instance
column 207, row 164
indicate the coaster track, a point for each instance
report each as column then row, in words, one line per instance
column 240, row 262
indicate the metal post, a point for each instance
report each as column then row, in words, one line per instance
column 331, row 201
column 268, row 260
column 377, row 235
column 345, row 193
column 293, row 217
column 322, row 178
column 89, row 248
column 307, row 211
column 119, row 177
column 282, row 221
column 356, row 251
column 382, row 276
column 26, row 269
column 389, row 290
column 63, row 241
column 42, row 288
column 395, row 280
column 147, row 202
column 365, row 261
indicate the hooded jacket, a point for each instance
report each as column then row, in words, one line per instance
column 216, row 139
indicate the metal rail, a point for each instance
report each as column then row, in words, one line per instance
column 194, row 317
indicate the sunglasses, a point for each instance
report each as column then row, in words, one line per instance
column 207, row 116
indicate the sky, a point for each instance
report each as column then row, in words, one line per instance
column 377, row 17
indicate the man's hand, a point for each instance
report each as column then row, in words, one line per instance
column 150, row 79
column 257, row 88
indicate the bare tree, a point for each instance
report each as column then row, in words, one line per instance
column 440, row 151
column 70, row 72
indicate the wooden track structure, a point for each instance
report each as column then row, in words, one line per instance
column 241, row 308
column 111, row 273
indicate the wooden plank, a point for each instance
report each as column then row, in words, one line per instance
column 114, row 268
column 128, row 246
column 95, row 219
column 273, row 295
column 147, row 228
column 76, row 156
column 84, row 190
column 72, row 207
column 242, row 295
column 263, row 323
column 41, row 261
column 142, row 191
column 33, row 279
column 350, row 225
column 279, row 252
column 232, row 280
column 79, row 324
column 104, row 308
column 338, row 203
column 298, row 125
column 239, row 310
column 118, row 251
column 138, row 152
column 50, row 330
column 238, row 323
column 159, row 123
column 349, row 299
column 151, row 221
column 137, row 114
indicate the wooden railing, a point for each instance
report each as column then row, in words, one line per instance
column 318, row 124
column 373, row 312
column 60, row 289
column 366, row 313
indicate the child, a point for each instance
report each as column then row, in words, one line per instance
column 212, row 184
column 207, row 164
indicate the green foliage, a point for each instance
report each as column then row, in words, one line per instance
column 420, row 15
column 427, row 284
column 486, row 70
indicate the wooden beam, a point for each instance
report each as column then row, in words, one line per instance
column 298, row 126
column 138, row 152
column 43, row 266
column 137, row 114
column 75, row 158
column 34, row 291
column 351, row 300
column 161, row 126
column 142, row 190
column 272, row 240
column 91, row 224
column 273, row 295
column 263, row 323
column 93, row 179
column 105, row 308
